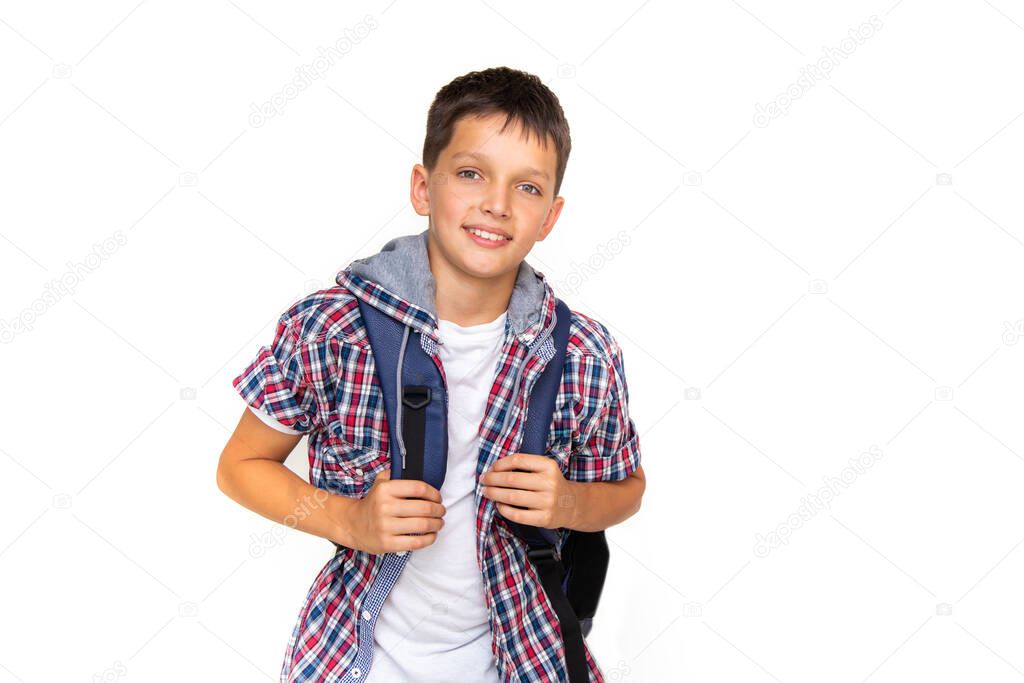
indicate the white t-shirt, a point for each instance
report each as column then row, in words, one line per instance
column 434, row 624
column 271, row 421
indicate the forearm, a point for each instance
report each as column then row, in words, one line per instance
column 272, row 490
column 598, row 505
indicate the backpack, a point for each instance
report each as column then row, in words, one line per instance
column 416, row 404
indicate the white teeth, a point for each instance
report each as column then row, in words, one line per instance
column 486, row 235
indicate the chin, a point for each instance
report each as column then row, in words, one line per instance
column 487, row 266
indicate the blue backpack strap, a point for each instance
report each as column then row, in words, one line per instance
column 537, row 428
column 539, row 414
column 416, row 405
column 571, row 581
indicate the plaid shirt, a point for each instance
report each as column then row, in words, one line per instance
column 318, row 378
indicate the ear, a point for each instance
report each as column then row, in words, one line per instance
column 549, row 222
column 419, row 191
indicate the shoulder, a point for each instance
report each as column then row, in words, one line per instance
column 588, row 337
column 326, row 313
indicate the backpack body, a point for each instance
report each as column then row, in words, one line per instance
column 416, row 403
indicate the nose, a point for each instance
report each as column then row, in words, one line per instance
column 495, row 204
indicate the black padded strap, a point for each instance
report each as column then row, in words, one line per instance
column 549, row 569
column 415, row 400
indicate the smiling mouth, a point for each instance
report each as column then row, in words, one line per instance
column 483, row 233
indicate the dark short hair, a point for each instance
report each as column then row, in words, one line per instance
column 521, row 96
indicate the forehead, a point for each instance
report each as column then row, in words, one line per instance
column 480, row 139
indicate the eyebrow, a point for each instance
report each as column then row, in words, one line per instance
column 483, row 157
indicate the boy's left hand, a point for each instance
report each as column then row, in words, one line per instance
column 545, row 498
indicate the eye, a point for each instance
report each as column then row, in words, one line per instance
column 535, row 190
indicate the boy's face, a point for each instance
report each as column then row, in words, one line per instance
column 498, row 181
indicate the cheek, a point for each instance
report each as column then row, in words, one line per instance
column 536, row 210
column 454, row 197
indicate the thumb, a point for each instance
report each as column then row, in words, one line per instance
column 383, row 475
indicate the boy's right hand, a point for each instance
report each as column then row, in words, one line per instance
column 391, row 510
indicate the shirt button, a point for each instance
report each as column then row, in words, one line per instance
column 359, row 471
column 357, row 672
column 366, row 614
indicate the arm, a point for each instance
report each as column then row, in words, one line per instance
column 605, row 494
column 601, row 504
column 251, row 472
column 287, row 381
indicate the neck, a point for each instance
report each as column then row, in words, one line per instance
column 463, row 299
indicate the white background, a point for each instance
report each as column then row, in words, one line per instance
column 788, row 296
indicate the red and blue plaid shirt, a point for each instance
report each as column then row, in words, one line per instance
column 318, row 378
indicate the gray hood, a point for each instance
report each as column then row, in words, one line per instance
column 402, row 267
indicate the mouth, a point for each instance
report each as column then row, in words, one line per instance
column 485, row 232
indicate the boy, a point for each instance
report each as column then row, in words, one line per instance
column 428, row 584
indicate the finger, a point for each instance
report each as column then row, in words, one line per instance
column 414, row 542
column 517, row 497
column 520, row 461
column 414, row 507
column 414, row 488
column 414, row 525
column 527, row 481
column 529, row 517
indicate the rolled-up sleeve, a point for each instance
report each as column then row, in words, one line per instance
column 608, row 447
column 276, row 383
